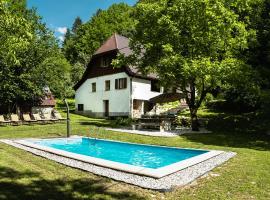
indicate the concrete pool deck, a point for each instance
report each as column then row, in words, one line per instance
column 179, row 178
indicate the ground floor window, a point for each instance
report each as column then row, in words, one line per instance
column 80, row 107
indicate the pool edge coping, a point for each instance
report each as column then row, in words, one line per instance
column 149, row 172
column 165, row 184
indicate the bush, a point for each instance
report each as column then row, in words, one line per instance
column 60, row 104
column 219, row 104
column 237, row 100
column 120, row 121
column 243, row 99
column 183, row 121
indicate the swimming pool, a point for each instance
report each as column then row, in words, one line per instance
column 149, row 160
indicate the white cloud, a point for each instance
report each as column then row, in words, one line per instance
column 61, row 38
column 61, row 30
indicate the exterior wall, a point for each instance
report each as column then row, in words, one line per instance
column 119, row 100
column 42, row 110
column 141, row 93
column 141, row 89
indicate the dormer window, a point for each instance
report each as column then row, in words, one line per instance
column 106, row 61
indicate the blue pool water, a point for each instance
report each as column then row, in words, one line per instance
column 132, row 154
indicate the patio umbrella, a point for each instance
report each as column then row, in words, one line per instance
column 167, row 97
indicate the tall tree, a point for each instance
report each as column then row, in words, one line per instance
column 28, row 52
column 259, row 52
column 193, row 45
column 15, row 36
column 90, row 35
column 68, row 36
column 77, row 23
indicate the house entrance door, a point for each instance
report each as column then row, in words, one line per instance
column 106, row 108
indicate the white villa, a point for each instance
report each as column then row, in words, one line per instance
column 105, row 91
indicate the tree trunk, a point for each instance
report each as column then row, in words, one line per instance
column 194, row 120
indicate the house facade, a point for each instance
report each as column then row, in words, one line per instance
column 105, row 91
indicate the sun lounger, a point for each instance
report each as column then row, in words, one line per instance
column 49, row 117
column 39, row 119
column 15, row 119
column 27, row 118
column 3, row 121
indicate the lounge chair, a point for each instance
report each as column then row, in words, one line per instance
column 27, row 118
column 59, row 116
column 39, row 119
column 3, row 121
column 49, row 117
column 15, row 119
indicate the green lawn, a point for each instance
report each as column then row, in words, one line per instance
column 25, row 176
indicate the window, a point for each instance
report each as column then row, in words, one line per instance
column 94, row 87
column 120, row 83
column 107, row 85
column 106, row 61
column 155, row 87
column 80, row 107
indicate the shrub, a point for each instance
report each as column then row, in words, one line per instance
column 121, row 121
column 242, row 99
column 60, row 104
column 183, row 121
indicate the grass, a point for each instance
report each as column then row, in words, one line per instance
column 25, row 176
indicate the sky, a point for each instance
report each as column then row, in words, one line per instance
column 60, row 14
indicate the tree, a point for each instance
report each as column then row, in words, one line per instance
column 77, row 23
column 90, row 35
column 15, row 36
column 68, row 36
column 15, row 32
column 258, row 54
column 193, row 45
column 30, row 58
column 77, row 71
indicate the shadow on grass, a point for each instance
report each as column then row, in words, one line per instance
column 245, row 130
column 236, row 140
column 97, row 123
column 35, row 187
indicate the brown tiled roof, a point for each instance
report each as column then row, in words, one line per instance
column 120, row 44
column 48, row 100
column 115, row 42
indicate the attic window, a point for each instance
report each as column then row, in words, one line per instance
column 106, row 61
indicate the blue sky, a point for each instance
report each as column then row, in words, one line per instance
column 60, row 14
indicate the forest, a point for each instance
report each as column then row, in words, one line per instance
column 32, row 58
